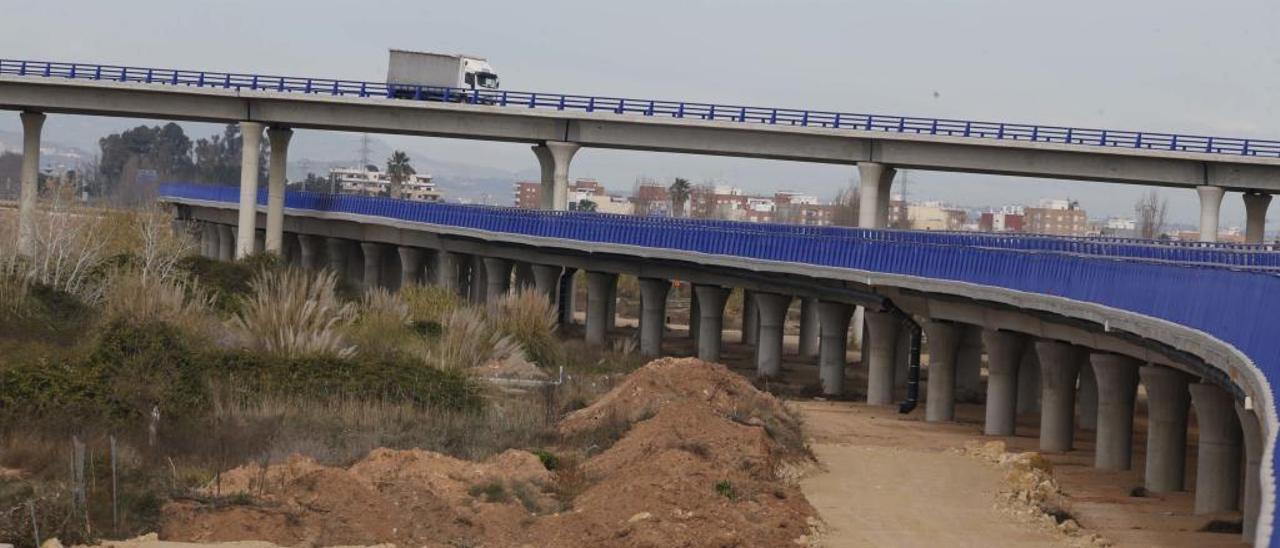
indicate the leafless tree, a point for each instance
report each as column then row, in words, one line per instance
column 845, row 207
column 1149, row 213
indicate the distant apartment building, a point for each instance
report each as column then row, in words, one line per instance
column 528, row 194
column 935, row 216
column 652, row 199
column 1059, row 218
column 373, row 182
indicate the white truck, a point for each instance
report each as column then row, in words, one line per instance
column 437, row 76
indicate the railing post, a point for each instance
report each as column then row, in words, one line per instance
column 1137, row 141
column 1208, row 145
column 22, row 68
column 836, row 123
column 561, row 105
column 967, row 128
column 804, row 119
column 773, row 117
column 97, row 72
column 72, row 73
column 148, row 76
column 591, row 104
column 1173, row 142
column 1069, row 136
column 1000, row 131
column 1103, row 138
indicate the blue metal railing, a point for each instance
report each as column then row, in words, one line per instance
column 1235, row 305
column 650, row 107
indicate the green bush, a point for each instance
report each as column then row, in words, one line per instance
column 226, row 282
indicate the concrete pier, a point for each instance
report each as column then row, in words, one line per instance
column 338, row 253
column 653, row 314
column 310, row 250
column 875, row 182
column 250, row 148
column 711, row 301
column 834, row 320
column 750, row 318
column 1255, row 214
column 1253, row 449
column 1059, row 369
column 226, row 243
column 1029, row 381
column 1218, row 451
column 944, row 343
column 497, row 279
column 1168, row 402
column 279, row 161
column 1004, row 355
column 546, row 280
column 411, row 265
column 32, row 124
column 208, row 241
column 446, row 270
column 882, row 330
column 969, row 366
column 553, row 158
column 599, row 286
column 1087, row 398
column 1117, row 378
column 771, row 310
column 372, row 264
column 523, row 276
column 1210, row 205
column 809, row 326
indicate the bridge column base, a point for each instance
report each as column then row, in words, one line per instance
column 944, row 343
column 1004, row 354
column 771, row 310
column 1117, row 378
column 834, row 319
column 882, row 331
column 653, row 315
column 711, row 301
column 1059, row 369
column 1218, row 451
column 1167, row 405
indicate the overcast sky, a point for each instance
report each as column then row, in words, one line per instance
column 1184, row 66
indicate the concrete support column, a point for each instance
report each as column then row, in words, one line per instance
column 523, row 276
column 209, row 241
column 711, row 301
column 809, row 326
column 554, row 158
column 1029, row 381
column 338, row 252
column 969, row 366
column 750, row 317
column 1253, row 441
column 771, row 312
column 1117, row 378
column 874, row 187
column 882, row 330
column 276, row 179
column 693, row 316
column 372, row 264
column 1210, row 205
column 653, row 315
column 497, row 279
column 1167, row 404
column 226, row 243
column 1059, row 368
column 32, row 123
column 1087, row 398
column 1218, row 451
column 1004, row 356
column 546, row 280
column 309, row 249
column 902, row 360
column 944, row 344
column 251, row 144
column 1255, row 214
column 568, row 295
column 598, row 291
column 411, row 260
column 834, row 319
column 446, row 269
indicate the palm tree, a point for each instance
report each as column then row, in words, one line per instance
column 399, row 170
column 679, row 191
column 586, row 205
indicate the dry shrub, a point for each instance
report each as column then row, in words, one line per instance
column 68, row 250
column 529, row 318
column 134, row 296
column 430, row 303
column 383, row 325
column 15, row 295
column 469, row 341
column 295, row 313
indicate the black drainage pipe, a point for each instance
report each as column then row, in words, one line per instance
column 913, row 364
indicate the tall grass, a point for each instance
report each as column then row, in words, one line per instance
column 135, row 296
column 469, row 341
column 528, row 317
column 430, row 304
column 295, row 313
column 383, row 326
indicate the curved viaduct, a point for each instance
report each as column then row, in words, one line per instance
column 1188, row 323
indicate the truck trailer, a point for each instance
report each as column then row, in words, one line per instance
column 438, row 76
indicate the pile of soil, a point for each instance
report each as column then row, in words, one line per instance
column 695, row 461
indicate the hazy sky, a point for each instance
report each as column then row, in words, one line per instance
column 1185, row 66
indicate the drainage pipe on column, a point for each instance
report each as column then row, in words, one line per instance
column 913, row 364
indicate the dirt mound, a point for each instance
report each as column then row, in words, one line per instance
column 694, row 462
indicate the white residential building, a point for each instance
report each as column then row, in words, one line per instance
column 372, row 182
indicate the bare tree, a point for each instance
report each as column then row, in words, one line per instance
column 1149, row 213
column 845, row 207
